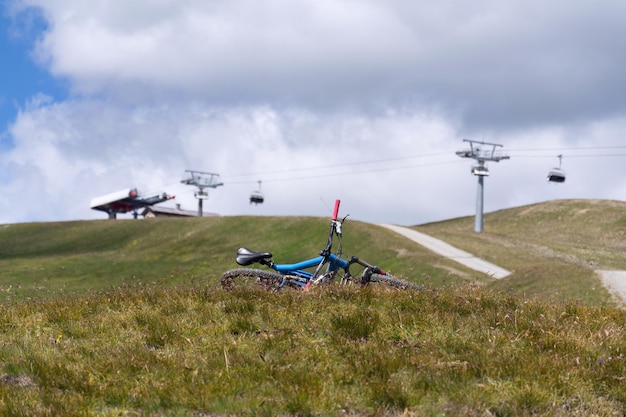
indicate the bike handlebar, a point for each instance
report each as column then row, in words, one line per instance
column 335, row 227
column 336, row 210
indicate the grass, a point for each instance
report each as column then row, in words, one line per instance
column 127, row 318
column 553, row 248
column 145, row 350
column 44, row 259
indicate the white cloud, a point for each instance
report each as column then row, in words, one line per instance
column 395, row 167
column 465, row 59
column 360, row 100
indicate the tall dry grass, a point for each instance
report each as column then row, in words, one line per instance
column 146, row 350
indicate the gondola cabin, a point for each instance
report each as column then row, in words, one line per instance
column 556, row 175
column 256, row 197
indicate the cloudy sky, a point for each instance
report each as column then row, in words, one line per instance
column 362, row 100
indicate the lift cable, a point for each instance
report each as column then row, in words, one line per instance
column 343, row 164
column 340, row 174
column 585, row 148
column 400, row 167
column 569, row 155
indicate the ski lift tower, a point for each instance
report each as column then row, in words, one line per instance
column 202, row 180
column 481, row 152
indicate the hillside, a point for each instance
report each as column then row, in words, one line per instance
column 43, row 259
column 126, row 318
column 553, row 248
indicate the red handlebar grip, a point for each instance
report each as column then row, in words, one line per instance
column 336, row 210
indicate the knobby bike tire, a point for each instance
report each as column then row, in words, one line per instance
column 394, row 282
column 240, row 277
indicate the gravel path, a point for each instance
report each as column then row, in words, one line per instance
column 442, row 248
column 615, row 281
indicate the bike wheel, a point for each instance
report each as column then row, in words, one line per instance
column 391, row 281
column 250, row 277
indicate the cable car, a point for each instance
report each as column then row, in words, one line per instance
column 256, row 197
column 556, row 174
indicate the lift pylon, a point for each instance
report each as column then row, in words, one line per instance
column 482, row 152
column 202, row 180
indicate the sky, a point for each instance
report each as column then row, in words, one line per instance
column 310, row 101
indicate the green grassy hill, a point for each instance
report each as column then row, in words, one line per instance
column 553, row 248
column 42, row 259
column 126, row 318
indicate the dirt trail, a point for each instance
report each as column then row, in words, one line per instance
column 614, row 281
column 444, row 249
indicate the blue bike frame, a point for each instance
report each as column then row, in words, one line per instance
column 334, row 263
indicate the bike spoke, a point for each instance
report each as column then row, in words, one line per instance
column 249, row 277
column 391, row 281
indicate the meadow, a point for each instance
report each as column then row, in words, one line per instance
column 127, row 318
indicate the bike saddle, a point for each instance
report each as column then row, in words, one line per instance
column 246, row 256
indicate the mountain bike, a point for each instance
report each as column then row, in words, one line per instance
column 328, row 267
